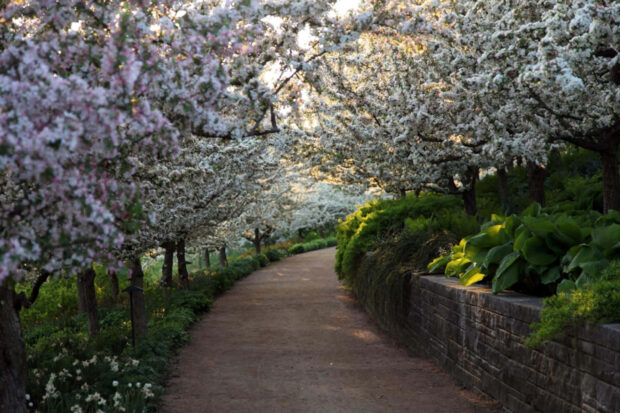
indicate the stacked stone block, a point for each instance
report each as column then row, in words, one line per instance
column 479, row 338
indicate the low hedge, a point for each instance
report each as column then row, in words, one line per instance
column 316, row 244
column 380, row 219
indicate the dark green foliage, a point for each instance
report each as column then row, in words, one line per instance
column 296, row 249
column 596, row 302
column 316, row 244
column 262, row 259
column 536, row 251
column 274, row 255
column 379, row 220
column 311, row 236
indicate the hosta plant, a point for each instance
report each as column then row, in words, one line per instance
column 538, row 250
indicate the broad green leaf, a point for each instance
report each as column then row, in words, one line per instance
column 438, row 263
column 472, row 275
column 594, row 268
column 510, row 225
column 570, row 254
column 456, row 267
column 551, row 275
column 482, row 240
column 566, row 286
column 539, row 226
column 475, row 253
column 584, row 279
column 556, row 245
column 606, row 237
column 585, row 232
column 533, row 210
column 461, row 246
column 612, row 216
column 522, row 234
column 497, row 219
column 507, row 278
column 536, row 270
column 536, row 252
column 586, row 254
column 496, row 235
column 496, row 254
column 568, row 231
column 507, row 261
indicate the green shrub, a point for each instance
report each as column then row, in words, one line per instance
column 275, row 255
column 312, row 235
column 262, row 259
column 596, row 302
column 379, row 220
column 296, row 249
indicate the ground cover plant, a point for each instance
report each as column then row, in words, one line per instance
column 595, row 302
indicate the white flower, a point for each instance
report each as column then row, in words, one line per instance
column 114, row 383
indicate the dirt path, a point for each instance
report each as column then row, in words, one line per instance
column 289, row 338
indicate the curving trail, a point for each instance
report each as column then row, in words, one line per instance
column 289, row 338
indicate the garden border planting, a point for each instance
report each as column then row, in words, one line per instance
column 478, row 337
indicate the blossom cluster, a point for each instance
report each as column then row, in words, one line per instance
column 432, row 89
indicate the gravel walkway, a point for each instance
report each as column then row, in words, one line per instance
column 289, row 338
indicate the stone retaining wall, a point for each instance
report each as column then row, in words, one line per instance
column 477, row 337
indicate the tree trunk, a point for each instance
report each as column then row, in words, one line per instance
column 12, row 353
column 166, row 269
column 182, row 264
column 611, row 189
column 256, row 240
column 113, row 278
column 138, row 304
column 469, row 195
column 502, row 184
column 223, row 258
column 207, row 258
column 87, row 299
column 536, row 182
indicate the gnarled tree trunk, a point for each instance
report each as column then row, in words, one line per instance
column 502, row 186
column 166, row 269
column 536, row 182
column 256, row 240
column 182, row 264
column 87, row 299
column 138, row 304
column 611, row 188
column 223, row 258
column 12, row 353
column 469, row 195
column 207, row 258
column 113, row 278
